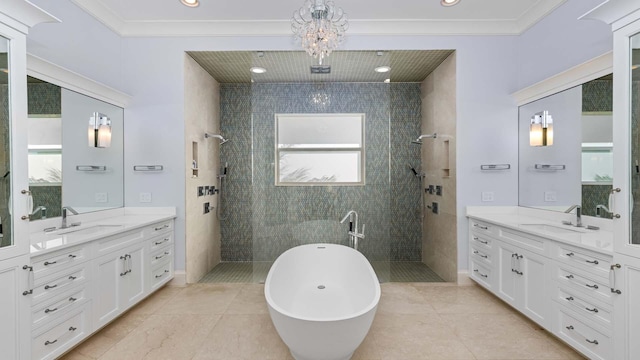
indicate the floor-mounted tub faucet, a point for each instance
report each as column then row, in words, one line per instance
column 354, row 235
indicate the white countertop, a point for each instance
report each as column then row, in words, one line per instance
column 92, row 228
column 548, row 225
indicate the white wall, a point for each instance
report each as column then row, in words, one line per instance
column 151, row 70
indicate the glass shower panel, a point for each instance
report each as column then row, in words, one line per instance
column 6, row 238
column 283, row 217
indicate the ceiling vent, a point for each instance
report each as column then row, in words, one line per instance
column 320, row 69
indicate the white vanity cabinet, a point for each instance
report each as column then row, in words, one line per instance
column 79, row 289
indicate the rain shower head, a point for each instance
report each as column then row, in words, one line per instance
column 222, row 140
column 424, row 136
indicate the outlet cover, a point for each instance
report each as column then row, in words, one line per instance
column 550, row 196
column 100, row 197
column 487, row 196
column 145, row 197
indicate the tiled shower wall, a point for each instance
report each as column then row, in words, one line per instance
column 264, row 220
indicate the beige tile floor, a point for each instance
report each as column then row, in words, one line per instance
column 415, row 321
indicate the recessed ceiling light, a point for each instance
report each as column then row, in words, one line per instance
column 258, row 70
column 382, row 69
column 449, row 2
column 387, row 80
column 190, row 3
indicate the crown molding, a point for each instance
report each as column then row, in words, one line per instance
column 577, row 75
column 283, row 27
column 23, row 15
column 616, row 13
column 57, row 75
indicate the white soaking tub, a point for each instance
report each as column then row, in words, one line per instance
column 322, row 299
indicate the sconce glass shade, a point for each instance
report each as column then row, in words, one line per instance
column 99, row 134
column 541, row 129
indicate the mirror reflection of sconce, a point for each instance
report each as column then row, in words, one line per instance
column 99, row 130
column 541, row 130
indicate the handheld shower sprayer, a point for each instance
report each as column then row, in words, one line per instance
column 222, row 140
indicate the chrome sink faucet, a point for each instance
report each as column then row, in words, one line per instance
column 64, row 217
column 578, row 214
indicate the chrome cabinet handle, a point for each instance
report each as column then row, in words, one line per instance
column 29, row 281
column 595, row 310
column 50, row 342
column 50, row 310
column 47, row 263
column 124, row 264
column 612, row 278
column 161, row 242
column 481, row 227
column 570, row 327
column 570, row 298
column 595, row 262
column 72, row 277
column 71, row 329
column 595, row 342
column 570, row 254
column 71, row 300
column 166, row 271
column 481, row 274
column 161, row 227
column 167, row 253
column 47, row 287
column 569, row 276
column 478, row 239
column 594, row 286
column 474, row 251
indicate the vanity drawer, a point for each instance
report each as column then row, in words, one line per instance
column 58, row 283
column 55, row 340
column 50, row 263
column 480, row 240
column 49, row 310
column 118, row 242
column 480, row 227
column 481, row 273
column 584, row 282
column 161, row 241
column 159, row 228
column 481, row 255
column 593, row 262
column 526, row 241
column 584, row 305
column 161, row 275
column 590, row 341
column 161, row 256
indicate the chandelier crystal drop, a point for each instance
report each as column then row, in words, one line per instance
column 320, row 26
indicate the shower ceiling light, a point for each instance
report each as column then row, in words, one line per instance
column 190, row 3
column 541, row 129
column 382, row 69
column 258, row 70
column 449, row 2
column 320, row 26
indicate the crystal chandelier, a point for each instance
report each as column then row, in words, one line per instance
column 320, row 27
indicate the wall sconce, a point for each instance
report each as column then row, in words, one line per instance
column 541, row 130
column 99, row 131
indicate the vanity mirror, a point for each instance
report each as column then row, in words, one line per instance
column 69, row 162
column 575, row 167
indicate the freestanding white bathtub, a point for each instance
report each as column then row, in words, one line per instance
column 322, row 299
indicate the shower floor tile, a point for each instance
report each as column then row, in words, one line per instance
column 256, row 272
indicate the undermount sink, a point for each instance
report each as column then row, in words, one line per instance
column 86, row 230
column 551, row 228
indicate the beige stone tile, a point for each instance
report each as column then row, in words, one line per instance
column 74, row 355
column 401, row 298
column 368, row 350
column 202, row 299
column 401, row 336
column 243, row 337
column 498, row 336
column 463, row 300
column 154, row 301
column 250, row 300
column 122, row 326
column 95, row 346
column 164, row 337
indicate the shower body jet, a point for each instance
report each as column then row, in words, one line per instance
column 222, row 140
column 424, row 136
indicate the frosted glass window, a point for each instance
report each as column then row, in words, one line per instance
column 45, row 166
column 597, row 163
column 320, row 149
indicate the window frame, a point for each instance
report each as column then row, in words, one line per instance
column 360, row 149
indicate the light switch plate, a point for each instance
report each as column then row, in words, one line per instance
column 487, row 196
column 145, row 197
column 101, row 197
column 550, row 196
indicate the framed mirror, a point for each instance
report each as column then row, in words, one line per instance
column 574, row 163
column 67, row 166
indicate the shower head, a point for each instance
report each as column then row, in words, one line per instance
column 222, row 140
column 424, row 136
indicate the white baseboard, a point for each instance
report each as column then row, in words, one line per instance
column 464, row 279
column 179, row 278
